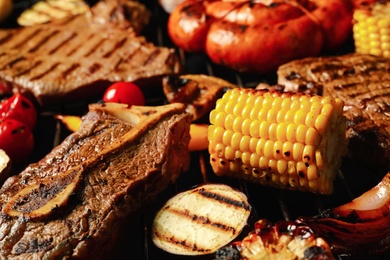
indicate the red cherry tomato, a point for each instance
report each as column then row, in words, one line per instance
column 19, row 108
column 125, row 93
column 16, row 139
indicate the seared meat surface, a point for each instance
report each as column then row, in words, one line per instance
column 123, row 165
column 79, row 56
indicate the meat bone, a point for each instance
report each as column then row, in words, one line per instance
column 38, row 201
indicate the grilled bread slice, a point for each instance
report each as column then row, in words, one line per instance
column 45, row 11
column 201, row 220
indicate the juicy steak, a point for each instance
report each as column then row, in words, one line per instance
column 123, row 165
column 363, row 83
column 79, row 56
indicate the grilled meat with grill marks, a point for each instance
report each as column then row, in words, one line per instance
column 79, row 56
column 363, row 83
column 71, row 204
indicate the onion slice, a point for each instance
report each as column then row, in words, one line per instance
column 361, row 226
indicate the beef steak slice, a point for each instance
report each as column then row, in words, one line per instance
column 79, row 56
column 119, row 159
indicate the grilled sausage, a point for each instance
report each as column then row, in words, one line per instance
column 258, row 37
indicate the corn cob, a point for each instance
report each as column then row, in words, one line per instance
column 286, row 140
column 371, row 30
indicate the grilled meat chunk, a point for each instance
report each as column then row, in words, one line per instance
column 72, row 202
column 284, row 240
column 79, row 56
column 363, row 83
column 199, row 92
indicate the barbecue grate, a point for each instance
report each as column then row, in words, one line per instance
column 273, row 204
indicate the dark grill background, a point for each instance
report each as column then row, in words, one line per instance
column 267, row 202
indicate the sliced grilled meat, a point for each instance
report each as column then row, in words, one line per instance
column 73, row 202
column 79, row 56
column 363, row 83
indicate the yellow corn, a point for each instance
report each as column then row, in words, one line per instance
column 371, row 30
column 301, row 150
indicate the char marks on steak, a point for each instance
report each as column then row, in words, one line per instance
column 79, row 56
column 363, row 83
column 126, row 156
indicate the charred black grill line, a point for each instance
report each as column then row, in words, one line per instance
column 41, row 75
column 43, row 41
column 61, row 44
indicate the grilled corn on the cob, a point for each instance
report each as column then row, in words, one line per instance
column 286, row 140
column 371, row 30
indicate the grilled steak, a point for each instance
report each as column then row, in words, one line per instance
column 73, row 201
column 79, row 56
column 363, row 83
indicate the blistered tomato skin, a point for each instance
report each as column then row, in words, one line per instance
column 125, row 93
column 16, row 139
column 19, row 108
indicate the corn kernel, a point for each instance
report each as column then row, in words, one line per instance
column 308, row 154
column 269, row 149
column 312, row 137
column 255, row 128
column 229, row 107
column 246, row 158
column 300, row 116
column 229, row 120
column 272, row 131
column 263, row 163
column 244, row 143
column 230, row 153
column 237, row 110
column 297, row 151
column 281, row 166
column 237, row 124
column 246, row 125
column 272, row 165
column 253, row 144
column 264, row 128
column 301, row 169
column 291, row 132
column 291, row 168
column 301, row 133
column 281, row 132
column 227, row 137
column 287, row 149
column 278, row 150
column 312, row 172
column 289, row 117
column 236, row 139
column 255, row 113
column 271, row 117
column 217, row 134
column 254, row 160
column 260, row 147
column 319, row 161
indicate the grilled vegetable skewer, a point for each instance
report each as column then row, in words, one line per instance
column 285, row 140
